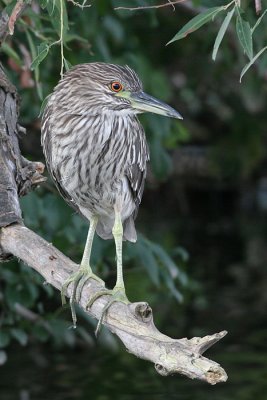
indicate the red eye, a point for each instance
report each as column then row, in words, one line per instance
column 116, row 86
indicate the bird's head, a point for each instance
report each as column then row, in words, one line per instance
column 106, row 88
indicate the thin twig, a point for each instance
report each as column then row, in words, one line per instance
column 61, row 39
column 169, row 3
column 17, row 10
column 7, row 23
column 84, row 5
column 173, row 5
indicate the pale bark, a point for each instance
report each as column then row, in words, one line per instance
column 132, row 323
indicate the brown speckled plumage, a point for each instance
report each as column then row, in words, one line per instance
column 96, row 151
column 94, row 145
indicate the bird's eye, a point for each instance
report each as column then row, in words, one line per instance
column 116, row 86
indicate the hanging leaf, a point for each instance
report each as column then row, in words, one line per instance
column 244, row 35
column 171, row 286
column 33, row 50
column 67, row 64
column 36, row 69
column 43, row 50
column 244, row 70
column 258, row 22
column 221, row 33
column 196, row 22
column 4, row 339
column 148, row 260
column 10, row 52
column 50, row 5
column 20, row 336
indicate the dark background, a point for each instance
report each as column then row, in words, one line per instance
column 200, row 260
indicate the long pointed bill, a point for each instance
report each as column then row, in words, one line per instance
column 143, row 102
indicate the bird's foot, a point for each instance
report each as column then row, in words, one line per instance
column 78, row 278
column 117, row 294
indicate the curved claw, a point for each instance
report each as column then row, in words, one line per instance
column 83, row 281
column 96, row 296
column 79, row 279
column 117, row 294
column 75, row 277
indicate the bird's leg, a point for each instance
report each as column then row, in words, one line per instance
column 117, row 232
column 118, row 292
column 83, row 274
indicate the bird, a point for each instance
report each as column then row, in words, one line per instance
column 96, row 152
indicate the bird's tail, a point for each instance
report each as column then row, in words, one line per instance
column 104, row 229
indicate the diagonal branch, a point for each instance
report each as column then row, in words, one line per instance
column 132, row 323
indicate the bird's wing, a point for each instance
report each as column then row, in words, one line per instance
column 136, row 171
column 54, row 172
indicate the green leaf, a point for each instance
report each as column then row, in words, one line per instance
column 20, row 336
column 50, row 6
column 4, row 339
column 244, row 70
column 31, row 44
column 148, row 260
column 55, row 14
column 221, row 33
column 3, row 357
column 165, row 260
column 258, row 22
column 43, row 50
column 69, row 37
column 169, row 282
column 40, row 332
column 244, row 35
column 67, row 64
column 36, row 70
column 196, row 22
column 11, row 53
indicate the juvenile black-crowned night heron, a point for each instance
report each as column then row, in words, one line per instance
column 96, row 152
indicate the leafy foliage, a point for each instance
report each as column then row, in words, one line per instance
column 197, row 22
column 51, row 36
column 243, row 29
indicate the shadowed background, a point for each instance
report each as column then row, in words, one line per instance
column 200, row 260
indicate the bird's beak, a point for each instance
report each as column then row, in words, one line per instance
column 143, row 102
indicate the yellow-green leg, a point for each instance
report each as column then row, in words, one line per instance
column 83, row 274
column 117, row 232
column 118, row 292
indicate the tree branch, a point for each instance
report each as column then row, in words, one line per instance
column 17, row 175
column 7, row 24
column 132, row 323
